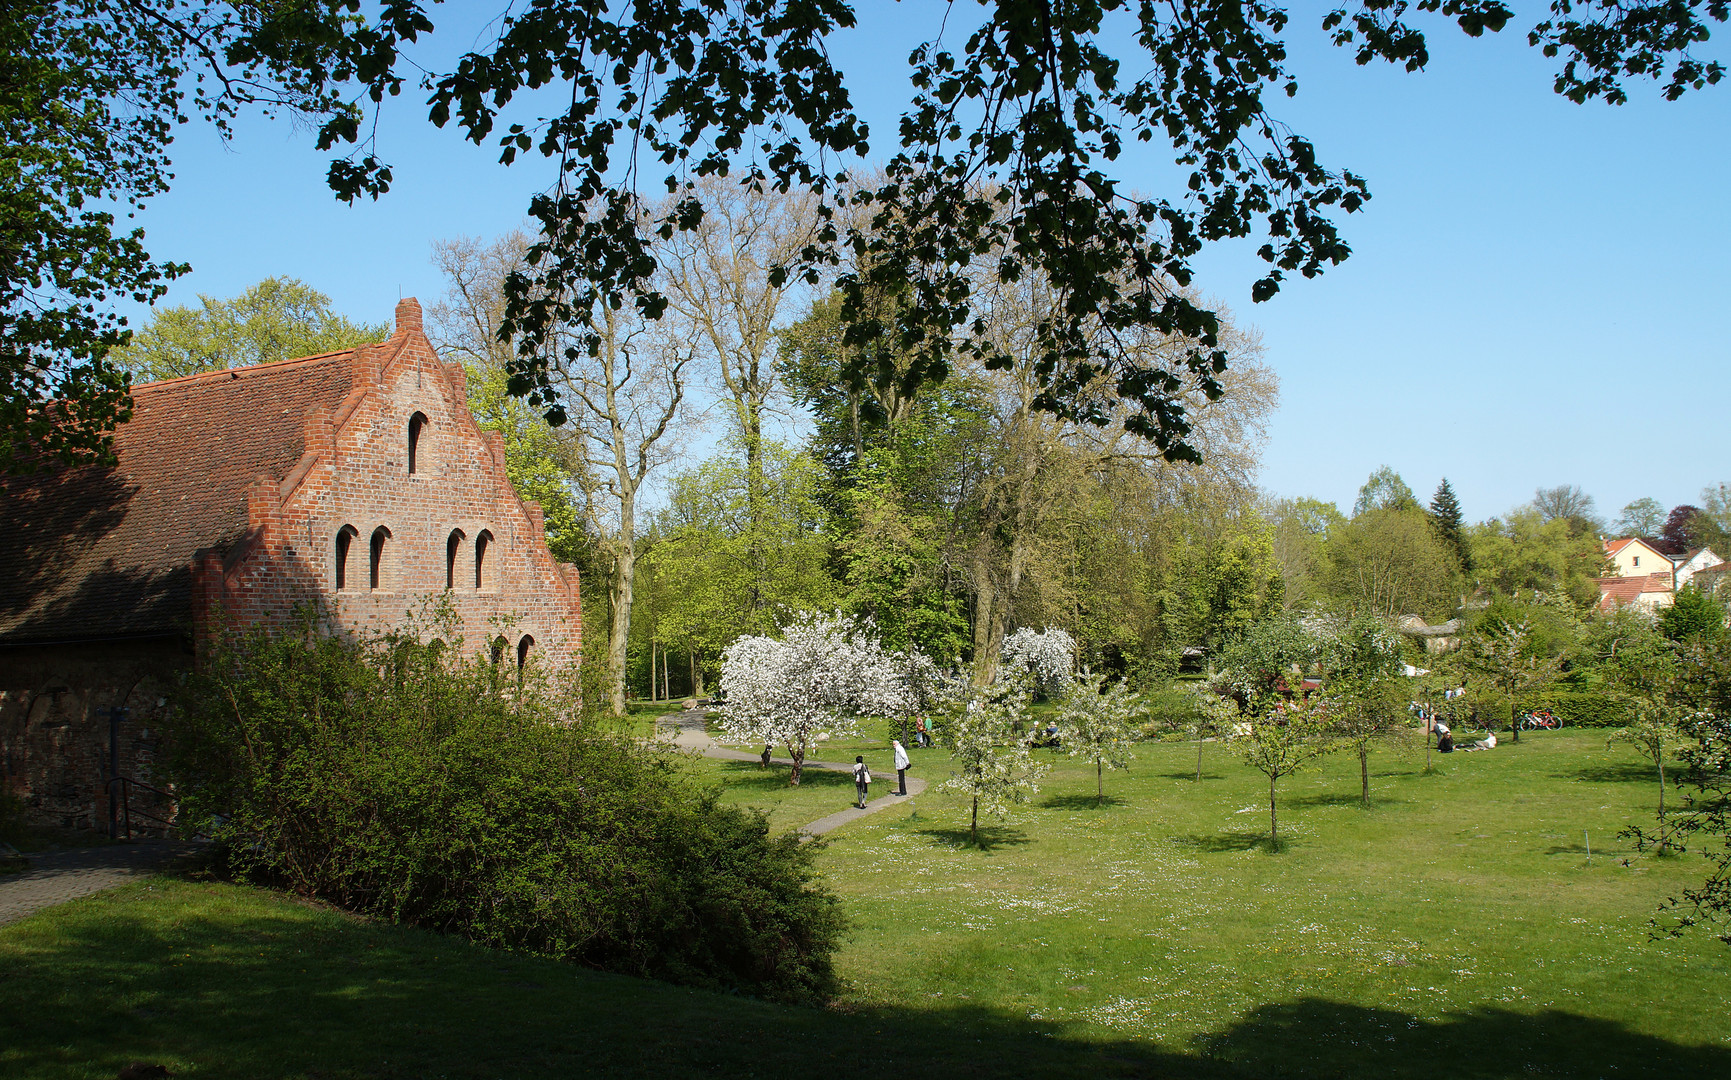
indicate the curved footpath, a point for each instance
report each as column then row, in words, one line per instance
column 691, row 733
column 58, row 876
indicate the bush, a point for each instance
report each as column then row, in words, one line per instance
column 1578, row 708
column 1171, row 710
column 414, row 785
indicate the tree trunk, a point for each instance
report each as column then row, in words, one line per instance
column 1364, row 772
column 619, row 624
column 797, row 753
column 653, row 685
column 1660, row 758
column 1514, row 724
column 1099, row 782
column 1273, row 821
column 1198, row 759
column 974, row 825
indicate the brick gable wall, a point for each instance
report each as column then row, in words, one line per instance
column 355, row 474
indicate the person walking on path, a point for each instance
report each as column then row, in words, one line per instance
column 862, row 779
column 901, row 766
column 922, row 736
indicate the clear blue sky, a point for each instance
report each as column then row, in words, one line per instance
column 1536, row 296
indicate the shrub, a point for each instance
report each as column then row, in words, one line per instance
column 419, row 786
column 1170, row 710
column 1582, row 708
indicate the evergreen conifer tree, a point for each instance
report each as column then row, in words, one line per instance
column 1445, row 514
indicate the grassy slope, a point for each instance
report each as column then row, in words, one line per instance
column 1454, row 930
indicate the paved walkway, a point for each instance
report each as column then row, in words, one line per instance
column 58, row 876
column 690, row 733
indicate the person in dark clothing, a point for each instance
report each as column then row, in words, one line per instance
column 862, row 780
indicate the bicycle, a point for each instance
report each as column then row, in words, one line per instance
column 1540, row 720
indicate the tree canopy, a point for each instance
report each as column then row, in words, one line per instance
column 1002, row 168
column 276, row 319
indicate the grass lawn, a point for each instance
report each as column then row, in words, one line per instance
column 1456, row 929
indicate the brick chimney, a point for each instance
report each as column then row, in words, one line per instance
column 408, row 316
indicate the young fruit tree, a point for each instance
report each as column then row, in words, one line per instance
column 1364, row 692
column 1049, row 655
column 821, row 676
column 993, row 766
column 1216, row 716
column 1097, row 724
column 1638, row 671
column 1283, row 738
column 1507, row 656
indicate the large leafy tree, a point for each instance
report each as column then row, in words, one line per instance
column 91, row 92
column 276, row 319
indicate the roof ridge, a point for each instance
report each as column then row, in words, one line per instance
column 233, row 371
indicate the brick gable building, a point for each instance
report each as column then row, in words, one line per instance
column 358, row 478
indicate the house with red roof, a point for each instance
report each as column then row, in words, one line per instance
column 1649, row 571
column 356, row 479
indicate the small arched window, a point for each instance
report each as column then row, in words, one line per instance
column 524, row 644
column 452, row 546
column 376, row 562
column 417, row 428
column 483, row 548
column 345, row 542
column 498, row 649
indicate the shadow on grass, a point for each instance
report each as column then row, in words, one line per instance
column 748, row 776
column 1339, row 799
column 197, row 981
column 991, row 836
column 1633, row 772
column 1238, row 840
column 1206, row 775
column 1080, row 802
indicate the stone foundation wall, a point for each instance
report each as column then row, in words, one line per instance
column 54, row 743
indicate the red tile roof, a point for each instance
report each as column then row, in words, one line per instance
column 100, row 552
column 1624, row 590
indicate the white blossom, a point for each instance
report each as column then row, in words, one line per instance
column 993, row 766
column 814, row 682
column 1049, row 654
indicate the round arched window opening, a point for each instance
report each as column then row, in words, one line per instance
column 376, row 560
column 498, row 649
column 524, row 644
column 417, row 428
column 345, row 542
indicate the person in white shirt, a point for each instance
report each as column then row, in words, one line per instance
column 901, row 767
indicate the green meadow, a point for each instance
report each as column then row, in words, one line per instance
column 1456, row 928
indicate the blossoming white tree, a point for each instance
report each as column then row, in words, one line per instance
column 822, row 675
column 993, row 766
column 1097, row 725
column 1216, row 717
column 1049, row 655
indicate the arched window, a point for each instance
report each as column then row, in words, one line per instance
column 417, row 426
column 376, row 564
column 483, row 547
column 498, row 649
column 453, row 545
column 345, row 540
column 524, row 644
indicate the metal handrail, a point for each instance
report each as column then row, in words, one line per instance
column 126, row 810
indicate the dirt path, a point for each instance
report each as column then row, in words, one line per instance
column 690, row 733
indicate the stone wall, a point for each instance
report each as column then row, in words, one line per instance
column 54, row 741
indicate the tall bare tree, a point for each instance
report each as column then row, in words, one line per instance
column 723, row 283
column 623, row 399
